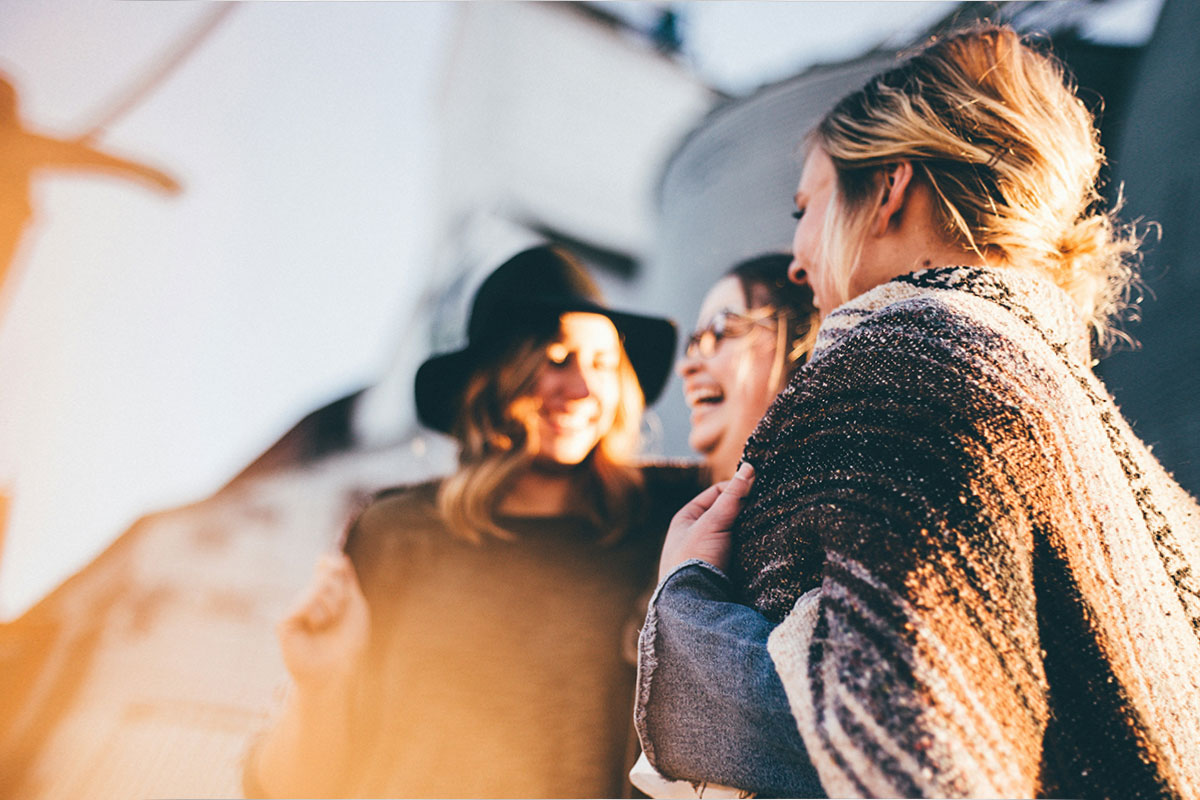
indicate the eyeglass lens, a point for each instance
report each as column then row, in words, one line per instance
column 726, row 325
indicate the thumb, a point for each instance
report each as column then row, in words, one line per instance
column 741, row 481
column 728, row 504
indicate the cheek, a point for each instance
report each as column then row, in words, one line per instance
column 543, row 385
column 727, row 365
column 607, row 391
column 755, row 391
column 799, row 249
column 805, row 234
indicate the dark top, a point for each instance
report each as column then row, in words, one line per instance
column 988, row 584
column 500, row 669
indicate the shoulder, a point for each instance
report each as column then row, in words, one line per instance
column 924, row 366
column 405, row 502
column 930, row 322
column 921, row 347
column 393, row 514
column 1005, row 321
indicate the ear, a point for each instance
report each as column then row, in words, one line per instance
column 896, row 182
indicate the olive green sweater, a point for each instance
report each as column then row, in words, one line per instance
column 500, row 669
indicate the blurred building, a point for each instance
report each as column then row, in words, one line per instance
column 1155, row 159
column 145, row 674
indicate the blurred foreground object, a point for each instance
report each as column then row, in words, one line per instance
column 144, row 674
column 141, row 676
column 23, row 152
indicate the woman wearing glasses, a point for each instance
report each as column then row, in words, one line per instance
column 755, row 329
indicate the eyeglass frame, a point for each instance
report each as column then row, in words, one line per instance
column 703, row 342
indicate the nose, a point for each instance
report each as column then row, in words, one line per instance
column 575, row 382
column 797, row 273
column 687, row 365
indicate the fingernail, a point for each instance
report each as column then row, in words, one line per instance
column 746, row 470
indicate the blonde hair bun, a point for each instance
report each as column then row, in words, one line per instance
column 994, row 126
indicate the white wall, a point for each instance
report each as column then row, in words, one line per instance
column 153, row 346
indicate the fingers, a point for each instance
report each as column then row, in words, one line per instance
column 326, row 603
column 699, row 504
column 719, row 501
column 742, row 480
column 701, row 529
column 325, row 599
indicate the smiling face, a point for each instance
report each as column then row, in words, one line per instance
column 730, row 390
column 576, row 391
column 813, row 196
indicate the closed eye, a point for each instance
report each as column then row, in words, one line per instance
column 798, row 213
column 558, row 354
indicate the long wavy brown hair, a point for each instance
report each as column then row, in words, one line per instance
column 496, row 448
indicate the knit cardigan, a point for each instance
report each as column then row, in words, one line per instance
column 988, row 586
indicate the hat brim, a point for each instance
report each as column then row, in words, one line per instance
column 440, row 383
column 649, row 343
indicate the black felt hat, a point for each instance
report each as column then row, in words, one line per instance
column 525, row 296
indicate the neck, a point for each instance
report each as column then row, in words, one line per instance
column 723, row 460
column 541, row 493
column 911, row 241
column 917, row 254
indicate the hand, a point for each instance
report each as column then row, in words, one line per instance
column 326, row 632
column 701, row 529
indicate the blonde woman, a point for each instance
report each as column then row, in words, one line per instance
column 469, row 643
column 967, row 573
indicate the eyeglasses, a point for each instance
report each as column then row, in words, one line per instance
column 726, row 325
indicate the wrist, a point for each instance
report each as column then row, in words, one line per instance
column 716, row 558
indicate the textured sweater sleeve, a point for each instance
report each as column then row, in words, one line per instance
column 891, row 477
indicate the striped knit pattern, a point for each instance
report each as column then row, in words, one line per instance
column 988, row 585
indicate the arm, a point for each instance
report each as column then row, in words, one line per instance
column 709, row 704
column 304, row 753
column 915, row 668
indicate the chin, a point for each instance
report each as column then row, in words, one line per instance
column 705, row 446
column 567, row 456
column 548, row 465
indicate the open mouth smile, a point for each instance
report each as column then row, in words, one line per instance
column 704, row 396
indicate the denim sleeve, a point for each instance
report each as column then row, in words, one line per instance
column 710, row 706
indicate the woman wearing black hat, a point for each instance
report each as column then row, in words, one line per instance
column 470, row 640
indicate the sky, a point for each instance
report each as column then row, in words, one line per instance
column 151, row 346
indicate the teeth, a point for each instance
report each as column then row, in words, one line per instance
column 704, row 395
